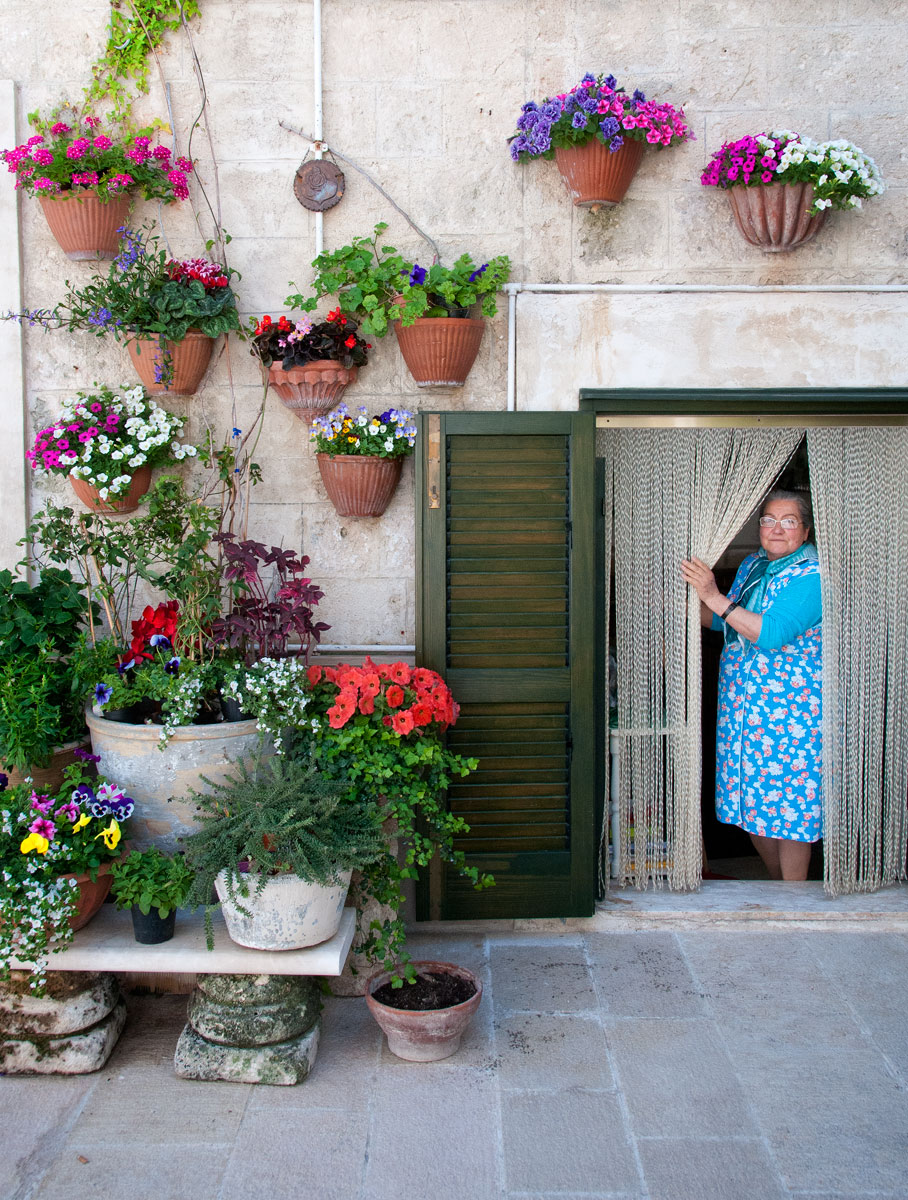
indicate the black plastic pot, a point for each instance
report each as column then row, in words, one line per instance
column 152, row 928
column 232, row 711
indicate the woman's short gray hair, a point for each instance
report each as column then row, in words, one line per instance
column 801, row 499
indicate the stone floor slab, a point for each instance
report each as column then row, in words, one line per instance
column 642, row 975
column 36, row 1114
column 567, row 1141
column 678, row 1079
column 541, row 1050
column 709, row 1169
column 314, row 1153
column 550, row 976
column 435, row 1123
column 110, row 1172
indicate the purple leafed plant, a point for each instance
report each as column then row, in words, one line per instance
column 267, row 614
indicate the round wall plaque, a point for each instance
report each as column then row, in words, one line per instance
column 319, row 184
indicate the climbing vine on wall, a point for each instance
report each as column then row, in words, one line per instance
column 136, row 31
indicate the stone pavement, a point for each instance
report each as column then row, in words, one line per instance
column 651, row 1064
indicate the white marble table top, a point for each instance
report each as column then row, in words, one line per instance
column 107, row 944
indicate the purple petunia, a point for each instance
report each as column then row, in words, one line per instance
column 84, row 756
column 103, row 693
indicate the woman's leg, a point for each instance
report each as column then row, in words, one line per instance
column 768, row 850
column 794, row 859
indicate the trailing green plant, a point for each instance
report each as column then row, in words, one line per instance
column 283, row 816
column 377, row 285
column 40, row 684
column 150, row 879
column 136, row 31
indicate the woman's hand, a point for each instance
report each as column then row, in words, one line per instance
column 702, row 580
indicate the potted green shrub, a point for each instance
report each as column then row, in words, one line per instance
column 360, row 457
column 597, row 135
column 309, row 365
column 85, row 171
column 56, row 852
column 430, row 307
column 41, row 714
column 153, row 885
column 781, row 185
column 279, row 843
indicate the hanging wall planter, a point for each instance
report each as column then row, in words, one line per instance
column 188, row 362
column 595, row 175
column 359, row 485
column 781, row 185
column 84, row 227
column 311, row 390
column 439, row 351
column 126, row 503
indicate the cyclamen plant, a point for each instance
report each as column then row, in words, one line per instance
column 842, row 175
column 104, row 436
column 69, row 156
column 44, row 841
column 295, row 343
column 595, row 109
column 391, row 434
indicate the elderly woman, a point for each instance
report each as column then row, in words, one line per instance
column 768, row 736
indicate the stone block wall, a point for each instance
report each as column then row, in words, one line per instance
column 423, row 94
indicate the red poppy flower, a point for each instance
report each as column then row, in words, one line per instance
column 395, row 696
column 400, row 672
column 423, row 679
column 369, row 684
column 314, row 675
column 422, row 714
column 367, row 705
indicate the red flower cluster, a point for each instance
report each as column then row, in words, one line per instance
column 336, row 316
column 266, row 325
column 158, row 623
column 210, row 274
column 403, row 698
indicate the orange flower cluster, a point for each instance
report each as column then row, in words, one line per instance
column 404, row 698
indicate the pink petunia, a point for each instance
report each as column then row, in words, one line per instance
column 43, row 828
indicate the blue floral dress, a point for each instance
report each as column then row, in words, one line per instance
column 768, row 734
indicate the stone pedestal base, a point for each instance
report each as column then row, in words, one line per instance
column 69, row 1031
column 250, row 1029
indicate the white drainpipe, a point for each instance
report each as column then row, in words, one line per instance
column 648, row 289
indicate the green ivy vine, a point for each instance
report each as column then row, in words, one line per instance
column 137, row 29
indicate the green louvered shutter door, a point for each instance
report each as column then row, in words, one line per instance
column 506, row 613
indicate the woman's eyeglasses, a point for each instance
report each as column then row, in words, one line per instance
column 785, row 522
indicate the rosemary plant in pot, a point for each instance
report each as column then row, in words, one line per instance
column 597, row 135
column 309, row 365
column 360, row 457
column 85, row 172
column 279, row 842
column 431, row 308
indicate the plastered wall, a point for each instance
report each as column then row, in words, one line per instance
column 422, row 94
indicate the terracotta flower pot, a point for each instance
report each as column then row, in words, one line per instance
column 190, row 359
column 439, row 351
column 90, row 497
column 49, row 779
column 92, row 894
column 83, row 226
column 595, row 175
column 775, row 217
column 359, row 485
column 430, row 1035
column 312, row 390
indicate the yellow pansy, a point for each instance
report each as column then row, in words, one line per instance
column 84, row 820
column 111, row 835
column 34, row 841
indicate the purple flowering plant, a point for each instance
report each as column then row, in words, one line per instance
column 595, row 109
column 376, row 285
column 44, row 841
column 71, row 152
column 391, row 434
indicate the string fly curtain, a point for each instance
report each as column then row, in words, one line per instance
column 673, row 494
column 859, row 483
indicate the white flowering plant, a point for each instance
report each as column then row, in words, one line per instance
column 391, row 434
column 274, row 691
column 104, row 436
column 44, row 842
column 842, row 174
